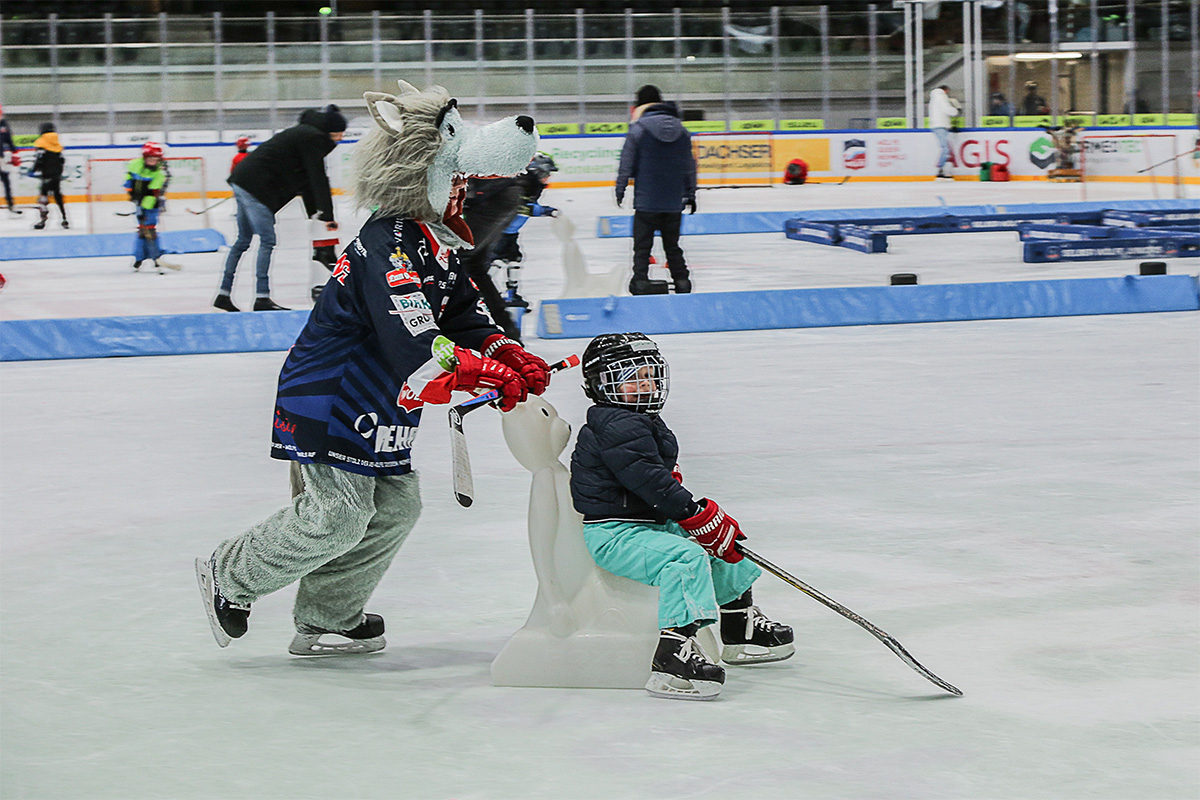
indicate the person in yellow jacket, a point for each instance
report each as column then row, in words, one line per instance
column 48, row 165
column 146, row 180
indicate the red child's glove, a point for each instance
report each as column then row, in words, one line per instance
column 532, row 369
column 677, row 474
column 715, row 531
column 475, row 372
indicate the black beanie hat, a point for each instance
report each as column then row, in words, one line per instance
column 648, row 94
column 334, row 121
column 46, row 127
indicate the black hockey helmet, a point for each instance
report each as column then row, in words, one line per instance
column 541, row 166
column 614, row 359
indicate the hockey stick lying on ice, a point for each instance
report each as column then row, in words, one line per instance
column 877, row 632
column 464, row 483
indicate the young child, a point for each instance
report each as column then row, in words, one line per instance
column 243, row 150
column 641, row 523
column 146, row 181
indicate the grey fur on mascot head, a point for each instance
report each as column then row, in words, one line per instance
column 416, row 162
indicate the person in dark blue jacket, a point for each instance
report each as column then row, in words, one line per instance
column 641, row 523
column 657, row 157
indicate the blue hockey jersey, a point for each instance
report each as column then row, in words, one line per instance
column 343, row 395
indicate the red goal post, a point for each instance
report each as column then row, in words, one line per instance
column 106, row 183
column 1147, row 159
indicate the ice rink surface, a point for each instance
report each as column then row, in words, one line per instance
column 1016, row 501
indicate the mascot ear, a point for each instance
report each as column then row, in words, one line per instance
column 408, row 88
column 385, row 110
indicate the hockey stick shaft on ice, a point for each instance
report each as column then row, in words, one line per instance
column 464, row 481
column 1168, row 161
column 874, row 630
column 206, row 209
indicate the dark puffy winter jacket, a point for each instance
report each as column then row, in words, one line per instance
column 621, row 469
column 658, row 157
column 290, row 163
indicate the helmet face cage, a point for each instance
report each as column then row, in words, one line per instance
column 638, row 382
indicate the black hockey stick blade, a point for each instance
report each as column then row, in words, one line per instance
column 874, row 630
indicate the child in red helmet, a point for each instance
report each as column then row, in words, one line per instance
column 146, row 181
column 243, row 150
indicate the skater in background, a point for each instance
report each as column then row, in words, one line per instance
column 641, row 523
column 494, row 207
column 942, row 110
column 657, row 157
column 243, row 150
column 48, row 167
column 373, row 351
column 290, row 163
column 9, row 160
column 146, row 183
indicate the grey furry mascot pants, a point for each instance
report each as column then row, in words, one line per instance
column 337, row 538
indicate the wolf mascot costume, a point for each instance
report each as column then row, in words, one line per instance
column 352, row 387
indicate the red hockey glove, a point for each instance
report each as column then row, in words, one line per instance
column 474, row 372
column 532, row 369
column 715, row 531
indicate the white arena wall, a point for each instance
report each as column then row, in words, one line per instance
column 724, row 158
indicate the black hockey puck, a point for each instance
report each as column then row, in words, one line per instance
column 904, row 279
column 1153, row 268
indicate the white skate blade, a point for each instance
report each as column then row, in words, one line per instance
column 310, row 644
column 675, row 688
column 204, row 578
column 738, row 654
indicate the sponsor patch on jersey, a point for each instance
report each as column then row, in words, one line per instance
column 408, row 399
column 358, row 245
column 341, row 269
column 402, row 272
column 413, row 309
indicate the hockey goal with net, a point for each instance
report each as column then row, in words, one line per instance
column 106, row 184
column 1147, row 160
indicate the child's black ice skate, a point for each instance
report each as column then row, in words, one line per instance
column 748, row 637
column 365, row 637
column 680, row 669
column 227, row 620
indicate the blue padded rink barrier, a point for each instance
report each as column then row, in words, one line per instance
column 869, row 305
column 774, row 221
column 91, row 245
column 179, row 334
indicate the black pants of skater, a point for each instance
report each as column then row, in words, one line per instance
column 667, row 223
column 486, row 227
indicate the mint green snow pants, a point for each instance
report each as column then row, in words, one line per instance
column 337, row 538
column 691, row 583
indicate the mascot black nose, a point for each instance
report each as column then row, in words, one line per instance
column 525, row 123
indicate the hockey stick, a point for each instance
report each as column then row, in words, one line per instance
column 464, row 483
column 877, row 632
column 1169, row 160
column 210, row 208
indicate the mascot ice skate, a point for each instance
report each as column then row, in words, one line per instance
column 352, row 388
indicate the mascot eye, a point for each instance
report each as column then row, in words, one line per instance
column 450, row 130
column 545, row 412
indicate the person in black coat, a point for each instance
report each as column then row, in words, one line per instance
column 290, row 163
column 48, row 165
column 657, row 156
column 642, row 524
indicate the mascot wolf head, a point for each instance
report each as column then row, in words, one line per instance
column 417, row 162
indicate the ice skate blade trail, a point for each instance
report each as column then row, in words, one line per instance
column 204, row 580
column 874, row 630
